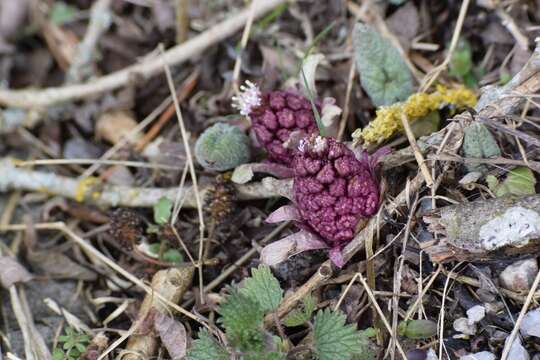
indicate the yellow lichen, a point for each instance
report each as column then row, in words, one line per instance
column 388, row 118
column 84, row 187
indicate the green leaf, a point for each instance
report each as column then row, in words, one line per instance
column 62, row 13
column 153, row 248
column 173, row 256
column 417, row 329
column 242, row 318
column 264, row 288
column 383, row 72
column 332, row 338
column 478, row 142
column 299, row 317
column 57, row 354
column 206, row 348
column 519, row 181
column 461, row 60
column 162, row 210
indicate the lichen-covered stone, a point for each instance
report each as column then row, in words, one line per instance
column 222, row 147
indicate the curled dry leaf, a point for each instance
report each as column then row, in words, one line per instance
column 172, row 334
column 12, row 272
column 284, row 213
column 296, row 243
column 245, row 172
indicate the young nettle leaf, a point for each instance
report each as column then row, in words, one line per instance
column 299, row 317
column 478, row 142
column 332, row 338
column 519, row 181
column 162, row 210
column 206, row 348
column 242, row 318
column 383, row 72
column 264, row 288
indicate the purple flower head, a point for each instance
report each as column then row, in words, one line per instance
column 277, row 117
column 333, row 189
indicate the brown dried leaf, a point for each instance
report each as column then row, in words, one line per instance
column 113, row 126
column 12, row 272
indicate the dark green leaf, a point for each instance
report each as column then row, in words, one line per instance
column 264, row 288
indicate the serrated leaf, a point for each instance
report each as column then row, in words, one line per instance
column 206, row 348
column 299, row 317
column 478, row 142
column 242, row 318
column 57, row 354
column 162, row 210
column 383, row 72
column 264, row 288
column 519, row 181
column 332, row 338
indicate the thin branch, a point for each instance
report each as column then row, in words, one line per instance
column 174, row 56
column 15, row 178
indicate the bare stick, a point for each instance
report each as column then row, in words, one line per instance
column 14, row 178
column 432, row 76
column 146, row 69
column 100, row 20
column 417, row 153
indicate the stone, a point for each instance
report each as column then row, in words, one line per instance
column 519, row 276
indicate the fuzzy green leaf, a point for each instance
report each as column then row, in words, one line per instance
column 298, row 317
column 519, row 181
column 242, row 318
column 206, row 348
column 383, row 72
column 162, row 210
column 264, row 288
column 332, row 338
column 222, row 147
column 478, row 142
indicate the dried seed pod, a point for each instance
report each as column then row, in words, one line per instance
column 220, row 199
column 127, row 228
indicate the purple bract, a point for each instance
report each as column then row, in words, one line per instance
column 277, row 117
column 333, row 189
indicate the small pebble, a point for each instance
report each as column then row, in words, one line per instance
column 520, row 275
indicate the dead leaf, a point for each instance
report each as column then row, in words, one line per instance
column 405, row 23
column 113, row 126
column 59, row 266
column 12, row 272
column 172, row 334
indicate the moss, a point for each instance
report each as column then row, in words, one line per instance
column 388, row 118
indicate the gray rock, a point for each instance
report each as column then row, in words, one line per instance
column 520, row 275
